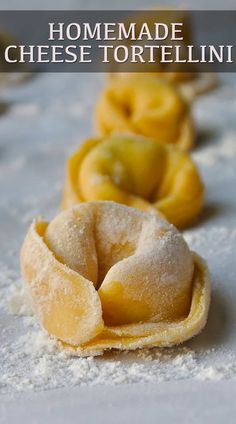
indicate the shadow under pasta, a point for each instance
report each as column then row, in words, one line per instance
column 205, row 136
column 217, row 328
column 210, row 211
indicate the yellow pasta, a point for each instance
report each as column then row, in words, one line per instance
column 102, row 275
column 188, row 78
column 148, row 106
column 136, row 171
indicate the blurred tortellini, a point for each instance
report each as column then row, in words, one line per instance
column 11, row 73
column 148, row 106
column 136, row 171
column 189, row 79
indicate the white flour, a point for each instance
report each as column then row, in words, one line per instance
column 29, row 359
column 42, row 365
column 221, row 151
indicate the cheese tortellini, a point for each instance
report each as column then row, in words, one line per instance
column 102, row 275
column 148, row 106
column 187, row 77
column 136, row 171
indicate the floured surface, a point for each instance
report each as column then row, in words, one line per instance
column 38, row 131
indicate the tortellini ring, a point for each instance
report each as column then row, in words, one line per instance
column 103, row 275
column 145, row 105
column 138, row 172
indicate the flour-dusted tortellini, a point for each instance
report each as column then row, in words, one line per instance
column 137, row 171
column 145, row 105
column 103, row 275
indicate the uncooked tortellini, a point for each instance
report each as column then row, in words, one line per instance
column 102, row 275
column 137, row 171
column 145, row 105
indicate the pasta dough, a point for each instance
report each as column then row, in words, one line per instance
column 145, row 105
column 189, row 79
column 103, row 275
column 138, row 172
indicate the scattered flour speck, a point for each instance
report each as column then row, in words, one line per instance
column 29, row 358
column 225, row 149
column 43, row 365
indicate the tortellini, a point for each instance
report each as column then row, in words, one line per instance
column 148, row 106
column 103, row 275
column 188, row 77
column 13, row 73
column 137, row 171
